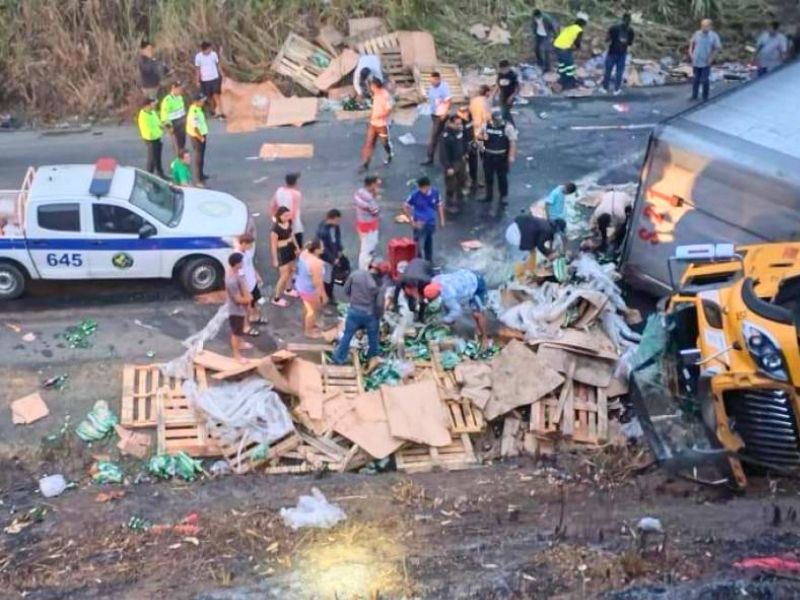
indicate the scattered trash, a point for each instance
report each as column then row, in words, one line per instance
column 187, row 526
column 770, row 563
column 58, row 382
column 52, row 485
column 261, row 179
column 167, row 466
column 104, row 497
column 98, row 423
column 622, row 108
column 80, row 336
column 498, row 36
column 468, row 245
column 650, row 525
column 145, row 325
column 34, row 515
column 150, row 354
column 479, row 31
column 28, row 409
column 13, row 327
column 312, row 511
column 105, row 471
column 407, row 139
column 220, row 468
column 133, row 443
column 138, row 524
column 29, row 337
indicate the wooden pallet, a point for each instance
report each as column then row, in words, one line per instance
column 456, row 456
column 180, row 428
column 244, row 461
column 357, row 39
column 341, row 378
column 140, row 384
column 451, row 75
column 295, row 61
column 585, row 421
column 464, row 417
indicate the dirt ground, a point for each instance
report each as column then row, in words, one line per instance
column 562, row 528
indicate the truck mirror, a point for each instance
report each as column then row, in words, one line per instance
column 146, row 231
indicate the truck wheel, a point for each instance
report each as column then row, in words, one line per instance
column 12, row 282
column 201, row 275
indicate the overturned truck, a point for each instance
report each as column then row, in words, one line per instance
column 717, row 210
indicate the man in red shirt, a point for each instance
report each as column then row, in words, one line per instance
column 365, row 201
column 378, row 126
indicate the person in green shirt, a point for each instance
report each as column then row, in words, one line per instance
column 150, row 130
column 181, row 173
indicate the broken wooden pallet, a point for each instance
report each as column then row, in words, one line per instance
column 586, row 422
column 180, row 428
column 341, row 378
column 451, row 75
column 358, row 38
column 456, row 456
column 464, row 417
column 140, row 384
column 301, row 61
column 388, row 48
column 244, row 457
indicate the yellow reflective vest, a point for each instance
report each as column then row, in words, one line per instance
column 566, row 39
column 172, row 108
column 149, row 125
column 196, row 125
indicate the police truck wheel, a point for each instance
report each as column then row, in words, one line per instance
column 12, row 282
column 201, row 275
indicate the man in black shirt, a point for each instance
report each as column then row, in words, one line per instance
column 453, row 153
column 471, row 145
column 330, row 234
column 620, row 37
column 507, row 88
column 150, row 70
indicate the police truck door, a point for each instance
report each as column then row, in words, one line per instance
column 123, row 243
column 56, row 232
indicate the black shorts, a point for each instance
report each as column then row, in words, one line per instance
column 256, row 294
column 237, row 324
column 211, row 88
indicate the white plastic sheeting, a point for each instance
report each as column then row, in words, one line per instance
column 182, row 367
column 312, row 511
column 248, row 407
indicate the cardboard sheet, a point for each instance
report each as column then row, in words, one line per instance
column 363, row 421
column 273, row 151
column 304, row 376
column 218, row 362
column 519, row 378
column 28, row 409
column 270, row 371
column 246, row 105
column 475, row 379
column 134, row 443
column 417, row 413
column 340, row 67
column 356, row 26
column 330, row 38
column 591, row 343
column 417, row 48
column 291, row 111
column 596, row 372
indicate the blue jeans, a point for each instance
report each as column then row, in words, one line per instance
column 424, row 239
column 614, row 61
column 701, row 75
column 355, row 320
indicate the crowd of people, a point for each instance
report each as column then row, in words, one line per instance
column 475, row 145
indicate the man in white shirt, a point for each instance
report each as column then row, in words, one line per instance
column 209, row 76
column 368, row 68
column 612, row 212
column 439, row 99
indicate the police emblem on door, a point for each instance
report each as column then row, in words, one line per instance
column 122, row 260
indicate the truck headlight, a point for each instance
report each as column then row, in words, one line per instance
column 765, row 351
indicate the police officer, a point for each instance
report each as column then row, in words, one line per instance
column 173, row 116
column 452, row 152
column 500, row 149
column 150, row 131
column 197, row 130
column 471, row 141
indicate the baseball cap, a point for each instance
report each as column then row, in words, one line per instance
column 432, row 290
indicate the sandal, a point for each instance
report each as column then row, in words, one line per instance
column 259, row 321
column 252, row 332
column 292, row 293
column 280, row 302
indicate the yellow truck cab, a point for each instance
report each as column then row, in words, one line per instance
column 733, row 322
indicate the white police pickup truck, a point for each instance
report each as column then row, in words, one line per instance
column 106, row 221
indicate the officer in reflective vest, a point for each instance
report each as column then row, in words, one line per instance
column 151, row 132
column 499, row 151
column 173, row 116
column 564, row 44
column 197, row 130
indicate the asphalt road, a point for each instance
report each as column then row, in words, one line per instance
column 550, row 153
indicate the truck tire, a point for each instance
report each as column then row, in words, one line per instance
column 12, row 281
column 201, row 275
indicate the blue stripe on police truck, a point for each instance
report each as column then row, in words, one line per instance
column 167, row 243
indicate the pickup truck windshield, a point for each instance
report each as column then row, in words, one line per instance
column 157, row 198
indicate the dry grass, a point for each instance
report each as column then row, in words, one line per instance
column 77, row 57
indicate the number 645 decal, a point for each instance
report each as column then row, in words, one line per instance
column 64, row 260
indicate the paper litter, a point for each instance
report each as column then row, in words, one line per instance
column 313, row 511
